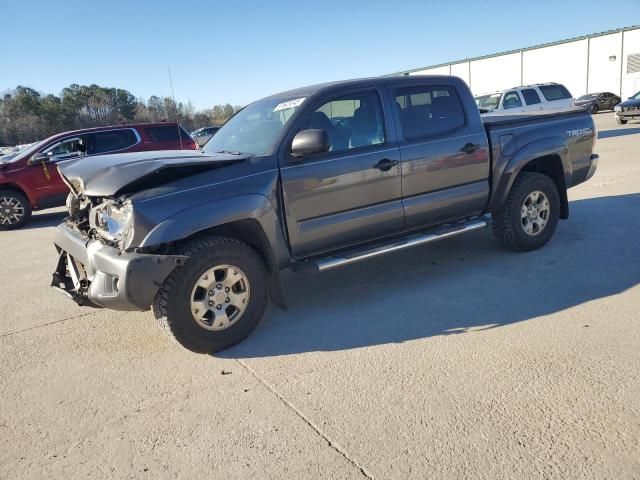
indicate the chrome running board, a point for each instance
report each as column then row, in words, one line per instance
column 338, row 260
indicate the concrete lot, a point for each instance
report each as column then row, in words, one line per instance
column 459, row 360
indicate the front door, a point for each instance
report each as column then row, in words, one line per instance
column 352, row 193
column 51, row 190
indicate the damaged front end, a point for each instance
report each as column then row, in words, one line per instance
column 96, row 267
column 99, row 275
column 101, row 262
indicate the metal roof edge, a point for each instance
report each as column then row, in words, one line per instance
column 517, row 50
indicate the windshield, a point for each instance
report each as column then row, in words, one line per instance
column 255, row 128
column 589, row 96
column 636, row 96
column 488, row 102
column 27, row 152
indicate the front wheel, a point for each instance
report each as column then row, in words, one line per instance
column 620, row 121
column 15, row 210
column 216, row 298
column 594, row 108
column 530, row 215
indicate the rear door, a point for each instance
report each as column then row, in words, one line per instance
column 445, row 154
column 352, row 193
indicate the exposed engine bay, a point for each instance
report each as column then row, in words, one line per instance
column 104, row 219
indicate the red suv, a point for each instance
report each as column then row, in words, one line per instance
column 30, row 180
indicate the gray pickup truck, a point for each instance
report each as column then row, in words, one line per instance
column 310, row 179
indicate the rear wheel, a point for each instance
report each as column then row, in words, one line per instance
column 15, row 209
column 620, row 121
column 530, row 215
column 216, row 298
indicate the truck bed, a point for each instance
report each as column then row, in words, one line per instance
column 495, row 119
column 568, row 134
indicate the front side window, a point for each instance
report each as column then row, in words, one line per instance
column 66, row 149
column 110, row 141
column 531, row 97
column 511, row 100
column 554, row 92
column 427, row 111
column 351, row 121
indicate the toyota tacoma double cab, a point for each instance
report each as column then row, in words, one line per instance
column 310, row 179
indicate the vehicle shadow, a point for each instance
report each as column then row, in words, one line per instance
column 458, row 286
column 45, row 219
column 618, row 132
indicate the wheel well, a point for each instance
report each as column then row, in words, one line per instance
column 247, row 231
column 11, row 186
column 551, row 166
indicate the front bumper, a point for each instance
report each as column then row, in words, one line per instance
column 628, row 114
column 97, row 275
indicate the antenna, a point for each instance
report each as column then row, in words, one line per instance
column 176, row 107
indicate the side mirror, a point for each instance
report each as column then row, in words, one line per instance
column 308, row 142
column 39, row 158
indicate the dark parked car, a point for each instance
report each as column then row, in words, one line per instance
column 202, row 135
column 312, row 179
column 628, row 110
column 30, row 180
column 595, row 102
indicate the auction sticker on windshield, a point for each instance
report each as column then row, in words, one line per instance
column 289, row 104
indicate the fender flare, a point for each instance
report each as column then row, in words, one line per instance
column 544, row 147
column 204, row 216
column 224, row 211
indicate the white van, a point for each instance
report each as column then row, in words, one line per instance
column 530, row 98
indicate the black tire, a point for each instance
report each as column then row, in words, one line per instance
column 507, row 224
column 15, row 198
column 620, row 121
column 172, row 305
column 594, row 108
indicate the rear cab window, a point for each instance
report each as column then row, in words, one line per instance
column 554, row 92
column 427, row 111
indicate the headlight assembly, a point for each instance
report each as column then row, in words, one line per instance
column 113, row 221
column 617, row 108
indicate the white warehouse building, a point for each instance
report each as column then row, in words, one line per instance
column 607, row 61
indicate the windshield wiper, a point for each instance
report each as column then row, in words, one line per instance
column 228, row 152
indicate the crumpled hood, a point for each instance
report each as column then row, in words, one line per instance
column 108, row 175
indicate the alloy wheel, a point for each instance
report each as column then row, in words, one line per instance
column 535, row 213
column 11, row 210
column 220, row 297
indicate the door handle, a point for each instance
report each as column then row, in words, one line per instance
column 385, row 164
column 469, row 148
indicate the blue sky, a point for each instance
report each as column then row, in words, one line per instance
column 238, row 51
